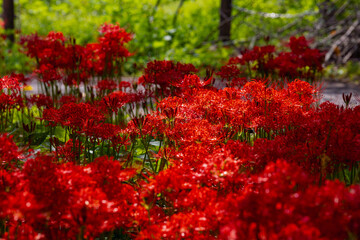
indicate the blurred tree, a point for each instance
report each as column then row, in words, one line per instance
column 9, row 18
column 225, row 21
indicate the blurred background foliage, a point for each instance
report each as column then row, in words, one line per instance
column 181, row 30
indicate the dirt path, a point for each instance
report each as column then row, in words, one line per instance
column 333, row 90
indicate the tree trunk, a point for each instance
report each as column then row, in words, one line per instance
column 225, row 21
column 9, row 18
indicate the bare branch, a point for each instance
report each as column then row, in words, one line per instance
column 340, row 40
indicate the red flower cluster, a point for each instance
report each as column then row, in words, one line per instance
column 164, row 74
column 302, row 62
column 47, row 200
column 250, row 161
column 63, row 61
column 10, row 155
column 10, row 98
column 216, row 202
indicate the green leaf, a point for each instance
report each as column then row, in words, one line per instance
column 60, row 134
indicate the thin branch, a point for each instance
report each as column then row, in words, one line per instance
column 341, row 40
column 350, row 53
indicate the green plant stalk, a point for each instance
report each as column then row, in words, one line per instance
column 6, row 119
column 86, row 142
column 160, row 169
column 74, row 141
column 130, row 157
column 111, row 234
column 146, row 146
column 78, row 156
column 66, row 130
column 52, row 91
column 81, row 233
column 108, row 147
column 346, row 177
column 50, row 135
column 102, row 148
column 93, row 153
column 352, row 173
column 3, row 226
column 249, row 69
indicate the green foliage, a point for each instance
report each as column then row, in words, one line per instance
column 182, row 30
column 349, row 71
column 11, row 59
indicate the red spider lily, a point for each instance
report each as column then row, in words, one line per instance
column 101, row 130
column 254, row 160
column 301, row 62
column 111, row 47
column 59, row 58
column 48, row 73
column 165, row 73
column 85, row 206
column 191, row 81
column 13, row 101
column 232, row 74
column 48, row 50
column 114, row 101
column 73, row 115
column 298, row 45
column 287, row 64
column 257, row 53
column 268, row 206
column 10, row 98
column 106, row 85
column 123, row 85
column 65, row 99
column 10, row 83
column 114, row 38
column 229, row 72
column 294, row 64
column 50, row 53
column 301, row 92
column 70, row 151
column 10, row 154
column 145, row 126
column 41, row 100
column 20, row 78
column 273, row 199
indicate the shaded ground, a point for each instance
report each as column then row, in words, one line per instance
column 333, row 90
